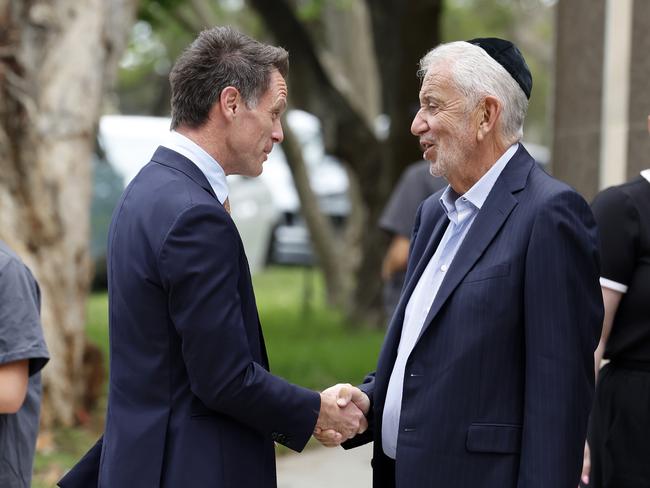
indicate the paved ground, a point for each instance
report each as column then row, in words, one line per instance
column 326, row 468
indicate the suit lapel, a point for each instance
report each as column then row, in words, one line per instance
column 495, row 211
column 493, row 215
column 487, row 223
column 394, row 333
column 423, row 261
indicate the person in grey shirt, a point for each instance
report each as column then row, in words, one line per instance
column 414, row 186
column 23, row 354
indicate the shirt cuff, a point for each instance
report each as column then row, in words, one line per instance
column 613, row 285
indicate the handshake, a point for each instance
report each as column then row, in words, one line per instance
column 342, row 414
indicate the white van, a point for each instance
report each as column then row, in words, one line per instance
column 266, row 209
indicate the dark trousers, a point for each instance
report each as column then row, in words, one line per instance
column 619, row 430
column 383, row 471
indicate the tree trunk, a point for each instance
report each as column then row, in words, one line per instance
column 348, row 58
column 348, row 134
column 56, row 60
column 403, row 33
column 376, row 164
column 331, row 257
column 348, row 53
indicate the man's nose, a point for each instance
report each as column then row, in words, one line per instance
column 277, row 135
column 418, row 126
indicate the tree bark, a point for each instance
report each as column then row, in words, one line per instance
column 348, row 53
column 403, row 32
column 56, row 61
column 331, row 257
column 347, row 133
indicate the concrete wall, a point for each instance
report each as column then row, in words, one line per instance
column 579, row 48
column 639, row 107
column 602, row 92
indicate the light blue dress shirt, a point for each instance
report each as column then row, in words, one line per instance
column 212, row 170
column 461, row 211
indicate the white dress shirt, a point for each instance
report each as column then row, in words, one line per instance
column 461, row 212
column 207, row 164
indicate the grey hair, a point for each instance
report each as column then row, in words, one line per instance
column 220, row 57
column 476, row 75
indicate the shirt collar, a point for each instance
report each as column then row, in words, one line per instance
column 212, row 170
column 646, row 174
column 479, row 192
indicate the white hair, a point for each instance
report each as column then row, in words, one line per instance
column 476, row 75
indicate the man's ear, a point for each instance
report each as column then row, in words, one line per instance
column 489, row 113
column 230, row 102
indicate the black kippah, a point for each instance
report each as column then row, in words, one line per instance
column 507, row 55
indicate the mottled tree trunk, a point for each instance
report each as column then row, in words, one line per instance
column 56, row 60
column 327, row 246
column 325, row 89
column 348, row 52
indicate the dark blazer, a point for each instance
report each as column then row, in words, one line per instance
column 191, row 401
column 498, row 388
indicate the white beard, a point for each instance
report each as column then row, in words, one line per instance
column 453, row 155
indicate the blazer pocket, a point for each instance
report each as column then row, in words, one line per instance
column 482, row 274
column 495, row 438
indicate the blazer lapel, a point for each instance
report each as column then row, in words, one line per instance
column 394, row 332
column 491, row 217
column 430, row 249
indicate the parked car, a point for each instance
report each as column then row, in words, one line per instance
column 290, row 242
column 266, row 210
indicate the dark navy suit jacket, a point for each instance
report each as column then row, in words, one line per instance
column 498, row 388
column 191, row 401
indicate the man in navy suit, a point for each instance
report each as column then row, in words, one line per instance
column 485, row 378
column 191, row 400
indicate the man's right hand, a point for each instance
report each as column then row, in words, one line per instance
column 342, row 416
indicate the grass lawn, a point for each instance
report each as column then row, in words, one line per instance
column 307, row 343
